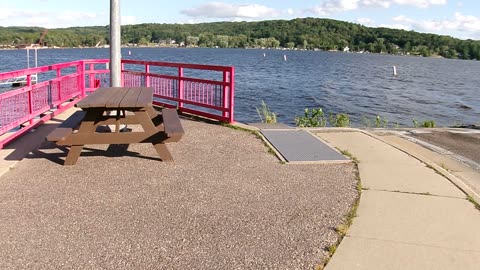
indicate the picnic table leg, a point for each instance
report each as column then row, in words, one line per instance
column 73, row 155
column 163, row 152
column 151, row 112
column 144, row 117
column 86, row 127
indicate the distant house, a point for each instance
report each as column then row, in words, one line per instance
column 346, row 49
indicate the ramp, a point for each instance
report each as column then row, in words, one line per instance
column 301, row 146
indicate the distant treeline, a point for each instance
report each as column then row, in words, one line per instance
column 307, row 33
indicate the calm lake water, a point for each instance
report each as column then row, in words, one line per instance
column 361, row 85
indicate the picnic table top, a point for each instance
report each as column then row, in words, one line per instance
column 118, row 97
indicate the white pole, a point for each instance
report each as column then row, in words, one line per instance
column 394, row 71
column 115, row 43
column 28, row 58
column 36, row 54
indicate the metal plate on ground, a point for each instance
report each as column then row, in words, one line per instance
column 270, row 126
column 301, row 146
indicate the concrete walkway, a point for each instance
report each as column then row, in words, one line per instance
column 409, row 216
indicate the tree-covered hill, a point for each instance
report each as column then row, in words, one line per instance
column 306, row 33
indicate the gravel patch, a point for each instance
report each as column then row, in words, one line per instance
column 226, row 203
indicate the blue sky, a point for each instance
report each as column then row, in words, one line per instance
column 458, row 18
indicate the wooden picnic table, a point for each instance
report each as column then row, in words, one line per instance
column 133, row 106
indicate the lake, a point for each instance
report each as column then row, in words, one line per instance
column 361, row 85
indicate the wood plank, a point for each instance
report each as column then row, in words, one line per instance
column 146, row 97
column 112, row 120
column 95, row 99
column 111, row 138
column 116, row 96
column 59, row 134
column 171, row 121
column 163, row 152
column 66, row 127
column 73, row 155
column 130, row 99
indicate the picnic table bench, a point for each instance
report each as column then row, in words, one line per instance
column 133, row 106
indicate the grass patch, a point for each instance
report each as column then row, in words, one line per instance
column 349, row 155
column 339, row 120
column 266, row 116
column 475, row 203
column 435, row 170
column 312, row 118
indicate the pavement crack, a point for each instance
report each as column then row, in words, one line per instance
column 412, row 244
column 413, row 193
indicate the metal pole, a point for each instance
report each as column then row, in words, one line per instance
column 28, row 58
column 115, row 44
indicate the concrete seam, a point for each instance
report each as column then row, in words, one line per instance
column 411, row 244
column 415, row 193
column 6, row 170
column 323, row 141
column 269, row 145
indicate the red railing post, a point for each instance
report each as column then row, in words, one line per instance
column 226, row 99
column 232, row 95
column 81, row 79
column 30, row 101
column 122, row 77
column 59, row 85
column 147, row 78
column 59, row 93
column 180, row 87
column 92, row 76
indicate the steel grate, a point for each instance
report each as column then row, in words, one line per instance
column 299, row 145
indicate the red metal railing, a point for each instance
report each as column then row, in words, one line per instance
column 28, row 106
column 208, row 93
column 210, row 97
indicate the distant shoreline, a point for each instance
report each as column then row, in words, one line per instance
column 178, row 47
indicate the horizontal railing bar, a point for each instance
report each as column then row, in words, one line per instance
column 208, row 106
column 172, row 77
column 178, row 65
column 194, row 112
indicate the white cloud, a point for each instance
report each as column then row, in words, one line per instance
column 232, row 11
column 336, row 6
column 72, row 16
column 125, row 20
column 420, row 3
column 366, row 21
column 467, row 25
column 66, row 18
column 396, row 26
column 371, row 23
column 376, row 3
